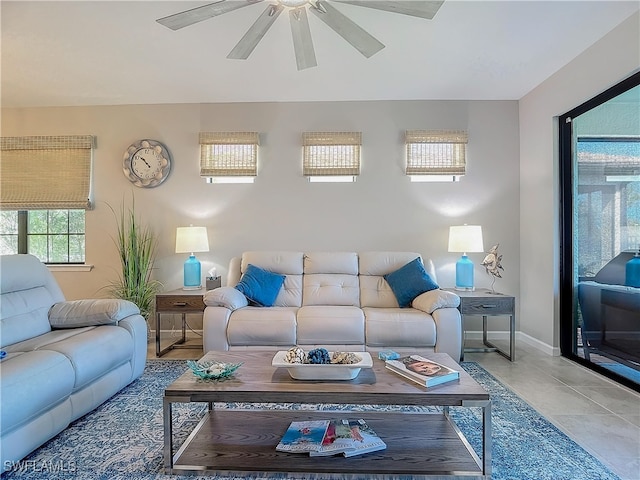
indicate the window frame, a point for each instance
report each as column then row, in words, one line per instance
column 567, row 204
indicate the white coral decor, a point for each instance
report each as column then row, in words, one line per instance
column 295, row 355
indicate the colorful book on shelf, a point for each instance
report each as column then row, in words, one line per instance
column 349, row 437
column 422, row 370
column 303, row 436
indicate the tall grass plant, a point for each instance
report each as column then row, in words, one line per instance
column 136, row 244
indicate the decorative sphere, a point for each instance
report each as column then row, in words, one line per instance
column 295, row 355
column 318, row 356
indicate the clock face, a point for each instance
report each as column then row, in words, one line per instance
column 147, row 163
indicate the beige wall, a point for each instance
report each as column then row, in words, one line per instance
column 603, row 65
column 281, row 210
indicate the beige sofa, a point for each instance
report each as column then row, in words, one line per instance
column 337, row 300
column 61, row 358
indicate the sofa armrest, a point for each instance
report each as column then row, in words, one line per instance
column 88, row 313
column 432, row 300
column 449, row 334
column 215, row 323
column 227, row 297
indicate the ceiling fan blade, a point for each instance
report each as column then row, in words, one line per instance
column 198, row 14
column 415, row 8
column 250, row 40
column 364, row 42
column 302, row 42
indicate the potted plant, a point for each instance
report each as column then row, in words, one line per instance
column 136, row 246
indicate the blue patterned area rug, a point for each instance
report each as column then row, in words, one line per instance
column 123, row 438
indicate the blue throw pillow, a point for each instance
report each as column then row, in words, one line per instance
column 260, row 286
column 409, row 281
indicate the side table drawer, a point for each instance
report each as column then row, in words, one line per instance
column 487, row 306
column 179, row 303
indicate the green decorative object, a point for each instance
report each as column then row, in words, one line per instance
column 213, row 370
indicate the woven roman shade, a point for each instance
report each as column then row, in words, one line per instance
column 229, row 154
column 45, row 172
column 436, row 152
column 331, row 153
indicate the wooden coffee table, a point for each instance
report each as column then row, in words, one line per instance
column 418, row 444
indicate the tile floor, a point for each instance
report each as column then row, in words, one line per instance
column 600, row 415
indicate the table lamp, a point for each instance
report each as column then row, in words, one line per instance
column 464, row 239
column 190, row 240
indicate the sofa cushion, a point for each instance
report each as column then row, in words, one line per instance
column 376, row 292
column 409, row 281
column 399, row 327
column 286, row 263
column 291, row 292
column 85, row 313
column 41, row 341
column 374, row 289
column 28, row 290
column 330, row 325
column 260, row 286
column 331, row 262
column 32, row 383
column 381, row 263
column 95, row 351
column 331, row 289
column 255, row 326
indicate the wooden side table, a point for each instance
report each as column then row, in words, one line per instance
column 182, row 302
column 485, row 303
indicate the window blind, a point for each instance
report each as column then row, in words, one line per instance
column 227, row 154
column 436, row 152
column 46, row 172
column 331, row 153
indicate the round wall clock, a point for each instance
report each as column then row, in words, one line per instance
column 146, row 163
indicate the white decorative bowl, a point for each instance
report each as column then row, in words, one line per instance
column 326, row 371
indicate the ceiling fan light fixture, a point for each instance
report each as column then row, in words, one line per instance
column 355, row 35
column 292, row 3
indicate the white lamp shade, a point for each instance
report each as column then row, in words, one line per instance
column 465, row 238
column 191, row 239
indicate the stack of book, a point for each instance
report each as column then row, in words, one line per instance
column 422, row 370
column 330, row 437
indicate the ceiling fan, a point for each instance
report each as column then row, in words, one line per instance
column 364, row 42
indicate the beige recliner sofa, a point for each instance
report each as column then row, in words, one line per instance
column 61, row 359
column 337, row 300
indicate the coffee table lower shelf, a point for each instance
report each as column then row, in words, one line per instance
column 421, row 445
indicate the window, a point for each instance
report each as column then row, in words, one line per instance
column 229, row 157
column 435, row 155
column 607, row 200
column 45, row 184
column 331, row 156
column 54, row 236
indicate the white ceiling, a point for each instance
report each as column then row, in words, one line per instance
column 62, row 53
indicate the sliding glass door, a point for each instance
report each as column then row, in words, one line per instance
column 600, row 270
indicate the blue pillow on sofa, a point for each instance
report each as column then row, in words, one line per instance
column 409, row 281
column 260, row 286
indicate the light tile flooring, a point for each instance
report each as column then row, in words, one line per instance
column 600, row 415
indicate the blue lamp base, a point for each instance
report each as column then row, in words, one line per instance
column 464, row 274
column 192, row 274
